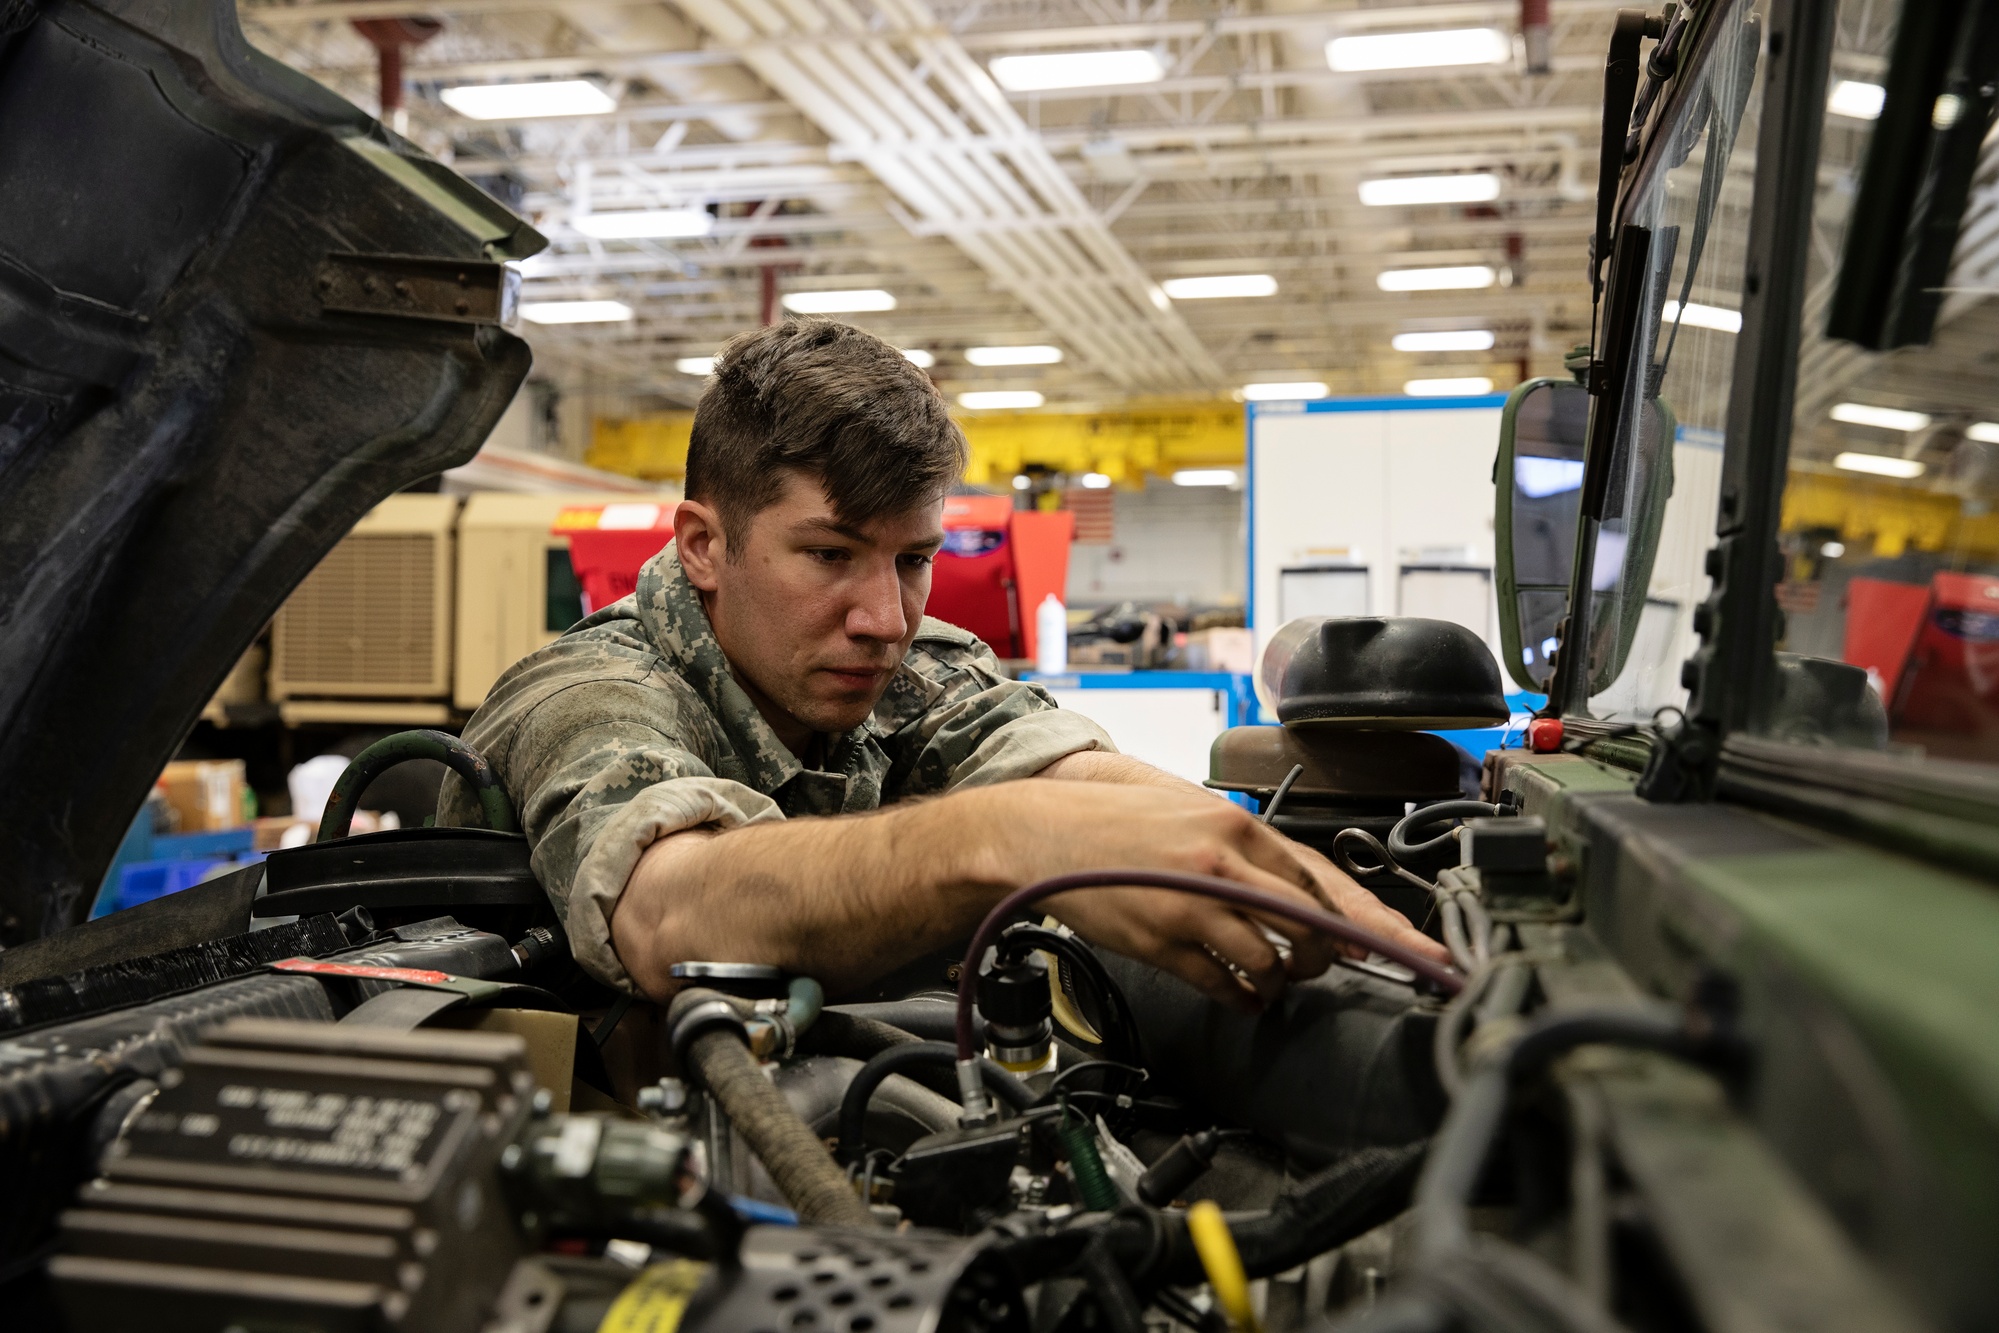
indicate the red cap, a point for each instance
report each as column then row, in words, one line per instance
column 1544, row 735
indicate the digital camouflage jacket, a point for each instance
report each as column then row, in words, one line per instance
column 631, row 727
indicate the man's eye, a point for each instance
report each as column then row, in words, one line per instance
column 918, row 561
column 829, row 554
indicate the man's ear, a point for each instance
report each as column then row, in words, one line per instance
column 697, row 533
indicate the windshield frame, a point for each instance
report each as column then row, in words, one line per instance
column 1732, row 674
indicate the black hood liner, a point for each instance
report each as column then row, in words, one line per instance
column 184, row 429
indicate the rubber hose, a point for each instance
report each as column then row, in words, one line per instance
column 1443, row 1228
column 1120, row 1305
column 925, row 1020
column 798, row 1162
column 1402, row 849
column 386, row 753
column 1452, row 918
column 1478, row 925
column 838, row 1032
column 1323, row 1212
column 903, row 1058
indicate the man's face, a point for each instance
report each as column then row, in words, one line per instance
column 815, row 615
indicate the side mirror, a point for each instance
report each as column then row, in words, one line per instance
column 1537, row 480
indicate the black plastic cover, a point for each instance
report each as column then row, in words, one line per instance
column 1385, row 673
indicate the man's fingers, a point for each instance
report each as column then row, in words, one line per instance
column 1240, row 945
column 1198, row 968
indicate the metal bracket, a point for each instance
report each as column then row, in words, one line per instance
column 456, row 291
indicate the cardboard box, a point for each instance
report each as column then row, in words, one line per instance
column 206, row 795
column 1221, row 650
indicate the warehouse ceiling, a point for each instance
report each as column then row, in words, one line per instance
column 841, row 145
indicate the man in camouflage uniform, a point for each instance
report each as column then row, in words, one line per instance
column 774, row 663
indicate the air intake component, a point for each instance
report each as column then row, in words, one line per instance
column 1383, row 673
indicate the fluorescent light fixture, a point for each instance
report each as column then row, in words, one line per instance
column 1278, row 391
column 575, row 312
column 1833, row 550
column 1021, row 481
column 1880, row 465
column 1013, row 356
column 1454, row 340
column 1885, row 418
column 919, row 358
column 648, row 224
column 1096, row 481
column 1477, row 187
column 1448, row 387
column 989, row 400
column 857, row 301
column 1856, row 101
column 1208, row 289
column 1539, row 477
column 1076, row 69
column 529, row 101
column 1450, row 278
column 1205, row 476
column 1698, row 316
column 695, row 365
column 1985, row 432
column 1419, row 50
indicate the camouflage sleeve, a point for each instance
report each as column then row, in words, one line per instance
column 599, row 770
column 978, row 727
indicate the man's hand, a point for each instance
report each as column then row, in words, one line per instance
column 1226, row 952
column 850, row 899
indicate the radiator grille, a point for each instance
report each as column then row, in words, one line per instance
column 367, row 617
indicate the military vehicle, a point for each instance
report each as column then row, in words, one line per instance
column 1716, row 1052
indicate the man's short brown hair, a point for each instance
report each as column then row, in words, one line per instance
column 828, row 401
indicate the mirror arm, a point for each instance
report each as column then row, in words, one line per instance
column 1620, row 91
column 1569, row 687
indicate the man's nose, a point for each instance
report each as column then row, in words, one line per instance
column 876, row 612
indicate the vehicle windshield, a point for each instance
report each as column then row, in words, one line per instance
column 1693, row 195
column 1888, row 526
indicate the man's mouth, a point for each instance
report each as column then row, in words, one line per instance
column 859, row 678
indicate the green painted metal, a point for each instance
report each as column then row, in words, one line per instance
column 1910, row 955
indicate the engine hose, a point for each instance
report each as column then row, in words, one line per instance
column 797, row 1161
column 838, row 1032
column 1402, row 849
column 1443, row 1196
column 386, row 753
column 1452, row 918
column 1119, row 1303
column 1321, row 1213
column 902, row 1058
column 1086, row 1163
column 1478, row 925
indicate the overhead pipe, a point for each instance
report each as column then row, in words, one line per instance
column 390, row 37
column 1534, row 35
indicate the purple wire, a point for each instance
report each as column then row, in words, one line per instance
column 1443, row 978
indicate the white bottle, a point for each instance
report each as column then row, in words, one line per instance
column 1051, row 635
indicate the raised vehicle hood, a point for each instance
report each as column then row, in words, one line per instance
column 235, row 313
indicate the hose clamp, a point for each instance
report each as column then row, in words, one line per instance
column 705, row 1017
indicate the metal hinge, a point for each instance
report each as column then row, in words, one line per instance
column 457, row 291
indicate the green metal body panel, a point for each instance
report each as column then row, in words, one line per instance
column 1867, row 989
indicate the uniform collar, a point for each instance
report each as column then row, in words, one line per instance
column 669, row 607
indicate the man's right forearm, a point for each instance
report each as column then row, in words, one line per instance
column 845, row 899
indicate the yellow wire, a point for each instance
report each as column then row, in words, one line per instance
column 1210, row 1233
